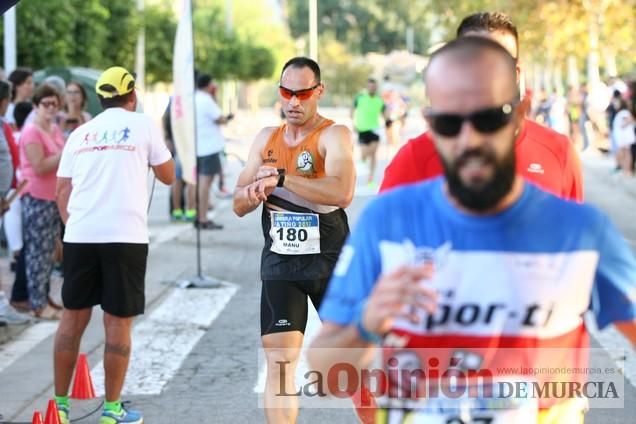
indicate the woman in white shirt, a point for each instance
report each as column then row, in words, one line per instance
column 624, row 136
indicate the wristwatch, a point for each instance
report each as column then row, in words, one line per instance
column 281, row 177
column 365, row 334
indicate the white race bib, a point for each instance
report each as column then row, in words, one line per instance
column 295, row 233
column 527, row 414
column 462, row 410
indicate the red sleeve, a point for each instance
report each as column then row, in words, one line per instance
column 402, row 168
column 416, row 161
column 13, row 147
column 573, row 185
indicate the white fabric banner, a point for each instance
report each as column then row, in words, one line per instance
column 182, row 109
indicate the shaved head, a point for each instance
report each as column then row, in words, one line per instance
column 472, row 51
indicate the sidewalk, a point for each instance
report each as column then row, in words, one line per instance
column 602, row 167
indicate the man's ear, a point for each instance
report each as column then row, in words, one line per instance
column 132, row 102
column 321, row 89
column 524, row 107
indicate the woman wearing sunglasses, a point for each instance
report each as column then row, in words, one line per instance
column 41, row 144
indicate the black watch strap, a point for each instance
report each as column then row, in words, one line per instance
column 281, row 177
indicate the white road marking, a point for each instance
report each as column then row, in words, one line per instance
column 26, row 341
column 313, row 326
column 163, row 340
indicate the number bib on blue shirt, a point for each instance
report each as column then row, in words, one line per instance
column 295, row 233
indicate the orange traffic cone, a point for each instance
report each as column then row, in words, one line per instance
column 82, row 384
column 37, row 418
column 52, row 414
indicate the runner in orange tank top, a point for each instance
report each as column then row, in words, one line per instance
column 303, row 174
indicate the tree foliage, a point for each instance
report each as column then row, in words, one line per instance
column 365, row 26
column 550, row 30
column 343, row 75
column 103, row 33
column 160, row 25
column 247, row 52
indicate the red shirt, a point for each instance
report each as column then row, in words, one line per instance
column 544, row 157
column 13, row 148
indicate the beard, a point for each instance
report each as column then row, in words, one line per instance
column 481, row 196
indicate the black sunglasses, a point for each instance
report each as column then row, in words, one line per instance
column 485, row 121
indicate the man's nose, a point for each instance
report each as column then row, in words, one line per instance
column 469, row 137
column 294, row 101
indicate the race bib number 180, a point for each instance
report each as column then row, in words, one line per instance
column 295, row 233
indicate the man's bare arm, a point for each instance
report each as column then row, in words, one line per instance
column 244, row 202
column 62, row 194
column 336, row 189
column 165, row 172
column 628, row 328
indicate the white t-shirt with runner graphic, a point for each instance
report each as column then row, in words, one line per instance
column 108, row 160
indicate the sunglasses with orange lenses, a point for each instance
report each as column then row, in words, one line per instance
column 303, row 94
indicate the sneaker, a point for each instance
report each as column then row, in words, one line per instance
column 190, row 215
column 208, row 225
column 10, row 316
column 64, row 412
column 177, row 215
column 124, row 416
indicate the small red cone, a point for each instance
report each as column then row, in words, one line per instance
column 52, row 414
column 83, row 383
column 37, row 418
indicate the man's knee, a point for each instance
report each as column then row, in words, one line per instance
column 281, row 361
column 113, row 323
column 74, row 321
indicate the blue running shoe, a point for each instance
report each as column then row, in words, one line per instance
column 124, row 416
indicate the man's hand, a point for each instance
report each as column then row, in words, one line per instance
column 264, row 184
column 265, row 171
column 259, row 190
column 4, row 206
column 399, row 294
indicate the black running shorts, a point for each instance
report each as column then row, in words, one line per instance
column 209, row 165
column 284, row 304
column 368, row 137
column 108, row 274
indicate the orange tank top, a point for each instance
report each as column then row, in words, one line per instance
column 303, row 159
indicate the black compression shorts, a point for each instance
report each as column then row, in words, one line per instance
column 284, row 304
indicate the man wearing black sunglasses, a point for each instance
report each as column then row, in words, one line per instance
column 544, row 156
column 475, row 270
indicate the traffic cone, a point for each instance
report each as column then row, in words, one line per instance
column 37, row 418
column 52, row 414
column 82, row 384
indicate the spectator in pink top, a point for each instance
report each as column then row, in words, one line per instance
column 41, row 144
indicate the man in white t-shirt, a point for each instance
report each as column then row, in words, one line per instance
column 210, row 145
column 102, row 195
